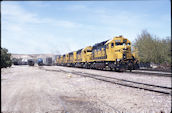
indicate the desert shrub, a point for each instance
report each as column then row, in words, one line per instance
column 5, row 58
column 153, row 49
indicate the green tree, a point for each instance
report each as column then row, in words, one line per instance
column 166, row 49
column 153, row 49
column 5, row 58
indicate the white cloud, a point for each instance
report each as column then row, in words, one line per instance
column 13, row 12
column 19, row 23
column 40, row 4
column 77, row 7
column 28, row 31
column 59, row 23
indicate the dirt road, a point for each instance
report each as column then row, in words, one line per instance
column 27, row 89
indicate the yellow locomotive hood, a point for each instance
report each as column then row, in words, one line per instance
column 116, row 39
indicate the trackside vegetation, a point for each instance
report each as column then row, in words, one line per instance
column 150, row 48
column 153, row 49
column 5, row 58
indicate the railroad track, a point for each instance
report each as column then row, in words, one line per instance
column 113, row 109
column 122, row 82
column 151, row 69
column 143, row 72
column 152, row 73
column 127, row 83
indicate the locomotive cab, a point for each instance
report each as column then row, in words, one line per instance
column 119, row 48
column 86, row 54
column 119, row 51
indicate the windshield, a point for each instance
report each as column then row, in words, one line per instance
column 89, row 51
column 119, row 43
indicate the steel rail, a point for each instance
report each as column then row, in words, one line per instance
column 104, row 78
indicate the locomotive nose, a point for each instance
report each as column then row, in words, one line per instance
column 125, row 51
column 125, row 48
column 124, row 56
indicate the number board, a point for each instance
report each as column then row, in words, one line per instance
column 117, row 40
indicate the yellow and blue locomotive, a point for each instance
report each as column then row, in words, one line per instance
column 114, row 54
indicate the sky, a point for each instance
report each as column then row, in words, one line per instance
column 59, row 27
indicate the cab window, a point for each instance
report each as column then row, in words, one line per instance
column 118, row 43
column 112, row 45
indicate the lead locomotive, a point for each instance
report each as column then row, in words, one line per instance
column 113, row 54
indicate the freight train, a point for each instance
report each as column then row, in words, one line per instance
column 48, row 61
column 114, row 54
column 31, row 62
column 40, row 62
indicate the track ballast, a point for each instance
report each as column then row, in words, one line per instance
column 122, row 82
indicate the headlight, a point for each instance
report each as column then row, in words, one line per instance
column 118, row 59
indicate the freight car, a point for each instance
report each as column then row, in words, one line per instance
column 15, row 61
column 114, row 54
column 48, row 61
column 31, row 62
column 40, row 62
column 24, row 61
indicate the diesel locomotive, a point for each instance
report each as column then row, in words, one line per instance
column 114, row 54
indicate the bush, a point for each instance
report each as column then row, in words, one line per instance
column 5, row 58
column 153, row 49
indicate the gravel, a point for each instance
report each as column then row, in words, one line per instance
column 28, row 89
